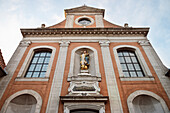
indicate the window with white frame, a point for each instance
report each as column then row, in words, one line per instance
column 130, row 64
column 38, row 65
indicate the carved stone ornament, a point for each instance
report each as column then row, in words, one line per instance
column 84, row 88
column 64, row 43
column 144, row 42
column 104, row 43
column 25, row 43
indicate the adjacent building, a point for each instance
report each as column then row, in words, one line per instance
column 85, row 64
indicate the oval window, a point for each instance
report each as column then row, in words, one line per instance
column 84, row 21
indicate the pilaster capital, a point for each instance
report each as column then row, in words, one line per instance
column 144, row 42
column 25, row 43
column 64, row 43
column 104, row 43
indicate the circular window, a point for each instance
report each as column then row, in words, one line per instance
column 84, row 21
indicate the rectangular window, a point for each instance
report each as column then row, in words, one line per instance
column 130, row 64
column 39, row 64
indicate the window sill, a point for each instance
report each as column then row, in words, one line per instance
column 31, row 79
column 137, row 78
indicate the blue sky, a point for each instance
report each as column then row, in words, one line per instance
column 16, row 14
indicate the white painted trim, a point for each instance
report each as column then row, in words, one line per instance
column 31, row 79
column 95, row 60
column 30, row 54
column 137, row 78
column 144, row 92
column 139, row 55
column 31, row 92
column 88, row 37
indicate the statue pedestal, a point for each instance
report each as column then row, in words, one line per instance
column 84, row 73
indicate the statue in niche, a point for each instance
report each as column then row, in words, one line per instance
column 84, row 60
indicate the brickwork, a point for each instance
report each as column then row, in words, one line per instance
column 128, row 87
column 41, row 87
column 104, row 39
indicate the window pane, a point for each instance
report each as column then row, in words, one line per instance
column 38, row 68
column 137, row 67
column 126, row 74
column 40, row 60
column 48, row 54
column 37, row 54
column 125, row 53
column 130, row 67
column 38, row 65
column 134, row 60
column 120, row 54
column 28, row 74
column 124, row 67
column 133, row 74
column 131, row 53
column 43, row 54
column 47, row 60
column 31, row 68
column 129, row 63
column 127, row 59
column 44, row 67
column 42, row 74
column 140, row 74
column 121, row 60
column 35, row 60
column 35, row 74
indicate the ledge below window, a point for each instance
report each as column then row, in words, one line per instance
column 31, row 79
column 137, row 78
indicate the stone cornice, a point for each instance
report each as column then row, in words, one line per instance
column 46, row 32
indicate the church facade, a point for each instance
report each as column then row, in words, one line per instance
column 85, row 64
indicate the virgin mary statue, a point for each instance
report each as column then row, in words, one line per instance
column 84, row 60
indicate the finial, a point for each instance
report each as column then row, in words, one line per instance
column 126, row 25
column 42, row 25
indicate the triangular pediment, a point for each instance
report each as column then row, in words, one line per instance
column 84, row 9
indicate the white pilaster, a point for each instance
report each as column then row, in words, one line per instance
column 54, row 98
column 99, row 21
column 114, row 97
column 12, row 65
column 69, row 21
column 157, row 64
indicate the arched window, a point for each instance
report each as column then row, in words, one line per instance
column 39, row 63
column 22, row 104
column 130, row 64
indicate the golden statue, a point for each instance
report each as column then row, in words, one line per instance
column 84, row 60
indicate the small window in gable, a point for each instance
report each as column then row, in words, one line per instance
column 130, row 64
column 39, row 63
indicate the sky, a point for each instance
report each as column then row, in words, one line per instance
column 16, row 14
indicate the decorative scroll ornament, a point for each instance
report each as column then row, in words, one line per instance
column 64, row 43
column 144, row 42
column 25, row 43
column 104, row 43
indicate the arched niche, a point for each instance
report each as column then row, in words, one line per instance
column 75, row 62
column 22, row 104
column 76, row 67
column 147, row 104
column 28, row 98
column 142, row 101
